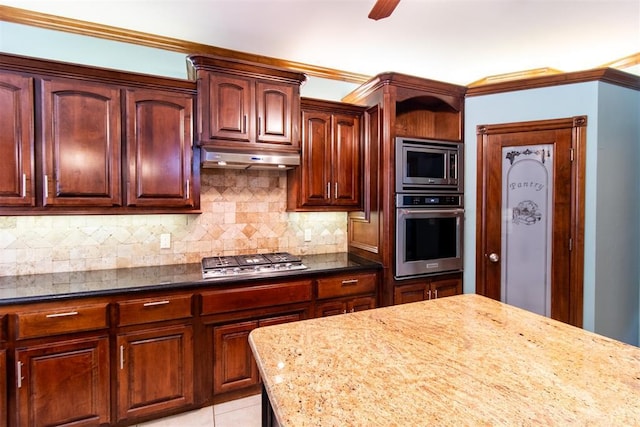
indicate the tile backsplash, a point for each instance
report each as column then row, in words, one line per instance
column 242, row 212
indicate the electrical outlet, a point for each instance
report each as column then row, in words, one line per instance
column 165, row 241
column 307, row 234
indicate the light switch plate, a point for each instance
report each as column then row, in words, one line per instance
column 307, row 234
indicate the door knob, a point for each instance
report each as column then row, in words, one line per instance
column 494, row 257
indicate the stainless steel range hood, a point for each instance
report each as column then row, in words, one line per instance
column 213, row 158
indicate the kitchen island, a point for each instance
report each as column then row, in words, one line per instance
column 461, row 360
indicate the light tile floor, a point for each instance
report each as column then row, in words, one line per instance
column 245, row 412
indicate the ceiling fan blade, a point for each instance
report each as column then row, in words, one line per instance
column 382, row 9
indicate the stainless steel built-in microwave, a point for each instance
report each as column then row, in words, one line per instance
column 428, row 166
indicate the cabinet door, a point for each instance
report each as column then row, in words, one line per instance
column 446, row 288
column 159, row 149
column 230, row 108
column 360, row 304
column 345, row 163
column 331, row 308
column 63, row 383
column 3, row 388
column 316, row 158
column 155, row 371
column 234, row 366
column 16, row 140
column 275, row 111
column 411, row 293
column 81, row 144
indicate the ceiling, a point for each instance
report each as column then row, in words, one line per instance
column 456, row 41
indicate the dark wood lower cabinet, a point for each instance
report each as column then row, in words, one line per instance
column 63, row 383
column 427, row 288
column 3, row 388
column 121, row 360
column 234, row 367
column 345, row 305
column 155, row 371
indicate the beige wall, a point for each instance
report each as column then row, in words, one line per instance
column 243, row 211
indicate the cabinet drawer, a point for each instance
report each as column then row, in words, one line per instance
column 61, row 320
column 146, row 310
column 346, row 285
column 255, row 297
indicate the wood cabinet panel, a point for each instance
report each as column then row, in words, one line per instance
column 346, row 160
column 61, row 319
column 17, row 185
column 330, row 175
column 446, row 287
column 345, row 305
column 361, row 304
column 72, row 145
column 159, row 140
column 316, row 158
column 275, row 105
column 235, row 299
column 3, row 388
column 3, row 328
column 346, row 293
column 230, row 113
column 427, row 288
column 155, row 371
column 147, row 310
column 411, row 293
column 81, row 137
column 63, row 383
column 344, row 285
column 246, row 106
column 234, row 365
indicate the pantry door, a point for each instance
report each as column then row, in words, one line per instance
column 530, row 215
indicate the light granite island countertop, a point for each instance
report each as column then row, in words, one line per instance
column 462, row 360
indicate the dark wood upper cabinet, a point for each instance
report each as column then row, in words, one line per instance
column 246, row 106
column 81, row 137
column 17, row 185
column 159, row 149
column 330, row 175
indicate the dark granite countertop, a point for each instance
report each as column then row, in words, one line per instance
column 59, row 286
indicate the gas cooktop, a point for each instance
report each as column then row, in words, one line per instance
column 250, row 265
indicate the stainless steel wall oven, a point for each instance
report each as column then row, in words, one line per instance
column 429, row 234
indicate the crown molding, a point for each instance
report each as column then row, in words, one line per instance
column 74, row 26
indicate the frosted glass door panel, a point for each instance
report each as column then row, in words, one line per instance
column 527, row 202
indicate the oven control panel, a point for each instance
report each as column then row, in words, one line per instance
column 444, row 200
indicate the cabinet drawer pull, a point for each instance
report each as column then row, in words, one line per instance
column 121, row 357
column 46, row 187
column 335, row 190
column 328, row 190
column 154, row 303
column 349, row 282
column 24, row 185
column 67, row 314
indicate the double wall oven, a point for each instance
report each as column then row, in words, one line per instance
column 429, row 207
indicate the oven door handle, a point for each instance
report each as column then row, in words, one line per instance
column 452, row 212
